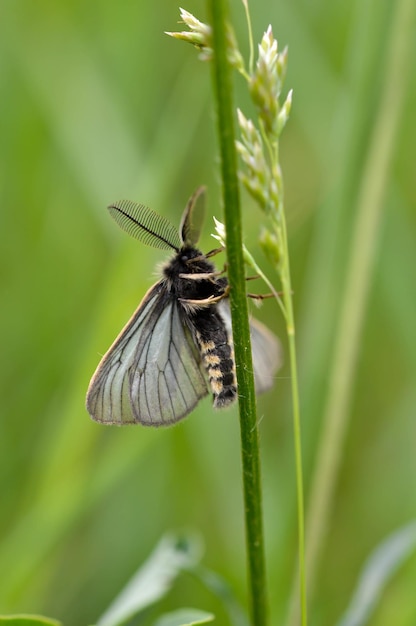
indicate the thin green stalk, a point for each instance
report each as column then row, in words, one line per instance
column 250, row 37
column 239, row 310
column 291, row 334
column 286, row 306
column 358, row 279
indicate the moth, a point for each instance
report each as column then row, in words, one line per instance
column 178, row 344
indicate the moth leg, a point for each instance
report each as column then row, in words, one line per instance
column 260, row 296
column 206, row 301
column 214, row 252
column 202, row 257
column 206, row 276
column 224, row 269
column 207, row 256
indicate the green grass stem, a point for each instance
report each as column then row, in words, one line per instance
column 239, row 310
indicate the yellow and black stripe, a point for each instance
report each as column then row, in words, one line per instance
column 218, row 359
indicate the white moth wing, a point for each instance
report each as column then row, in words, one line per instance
column 267, row 355
column 265, row 350
column 152, row 373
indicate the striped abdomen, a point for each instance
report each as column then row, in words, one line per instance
column 217, row 356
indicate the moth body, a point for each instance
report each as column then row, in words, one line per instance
column 192, row 280
column 178, row 344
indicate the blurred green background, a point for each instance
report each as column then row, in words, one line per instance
column 97, row 104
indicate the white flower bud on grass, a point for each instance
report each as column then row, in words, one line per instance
column 256, row 178
column 221, row 235
column 269, row 245
column 199, row 34
column 266, row 82
column 283, row 116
